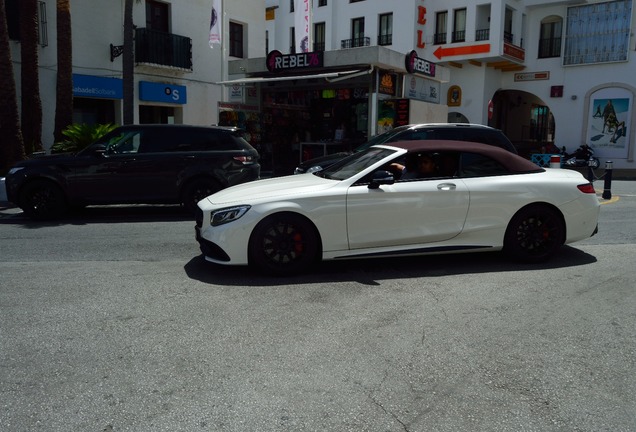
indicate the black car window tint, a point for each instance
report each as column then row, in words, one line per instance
column 409, row 136
column 448, row 164
column 127, row 142
column 153, row 140
column 478, row 165
column 419, row 135
column 176, row 140
column 484, row 138
column 448, row 134
column 225, row 140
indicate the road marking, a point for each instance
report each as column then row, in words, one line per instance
column 612, row 200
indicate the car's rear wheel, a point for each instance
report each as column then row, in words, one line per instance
column 284, row 244
column 534, row 234
column 42, row 199
column 196, row 191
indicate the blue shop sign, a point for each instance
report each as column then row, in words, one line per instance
column 97, row 87
column 161, row 92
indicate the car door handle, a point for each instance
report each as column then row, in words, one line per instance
column 446, row 186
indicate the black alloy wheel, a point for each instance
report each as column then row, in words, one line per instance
column 534, row 234
column 42, row 199
column 284, row 244
column 196, row 191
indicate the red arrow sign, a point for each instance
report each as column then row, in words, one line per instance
column 463, row 50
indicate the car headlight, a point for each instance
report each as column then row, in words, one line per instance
column 14, row 170
column 227, row 215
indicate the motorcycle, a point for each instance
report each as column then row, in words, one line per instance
column 582, row 157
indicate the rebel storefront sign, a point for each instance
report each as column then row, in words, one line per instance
column 277, row 61
column 415, row 64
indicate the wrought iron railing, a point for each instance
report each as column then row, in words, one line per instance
column 459, row 36
column 439, row 38
column 508, row 37
column 385, row 39
column 156, row 47
column 482, row 35
column 356, row 42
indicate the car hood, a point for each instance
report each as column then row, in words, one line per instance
column 320, row 161
column 41, row 159
column 279, row 187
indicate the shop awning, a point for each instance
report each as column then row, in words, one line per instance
column 329, row 76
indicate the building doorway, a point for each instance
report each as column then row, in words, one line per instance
column 525, row 119
column 151, row 114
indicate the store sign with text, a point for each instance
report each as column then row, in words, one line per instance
column 422, row 89
column 415, row 64
column 161, row 92
column 387, row 83
column 278, row 62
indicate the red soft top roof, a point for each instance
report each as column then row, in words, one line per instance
column 511, row 161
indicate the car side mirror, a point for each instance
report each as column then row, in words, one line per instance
column 381, row 178
column 99, row 149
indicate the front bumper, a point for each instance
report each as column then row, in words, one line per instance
column 210, row 250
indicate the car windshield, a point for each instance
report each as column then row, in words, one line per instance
column 381, row 139
column 355, row 163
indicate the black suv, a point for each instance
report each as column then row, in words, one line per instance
column 438, row 131
column 135, row 164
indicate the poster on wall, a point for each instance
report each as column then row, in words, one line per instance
column 609, row 122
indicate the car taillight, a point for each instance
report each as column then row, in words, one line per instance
column 586, row 188
column 245, row 160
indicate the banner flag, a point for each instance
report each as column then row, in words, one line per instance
column 215, row 23
column 302, row 24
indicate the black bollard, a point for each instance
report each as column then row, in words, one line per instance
column 607, row 187
column 590, row 171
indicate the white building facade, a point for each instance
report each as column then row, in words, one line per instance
column 550, row 74
column 176, row 69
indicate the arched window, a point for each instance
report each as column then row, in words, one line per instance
column 550, row 39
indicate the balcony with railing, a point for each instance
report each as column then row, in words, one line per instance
column 482, row 35
column 508, row 37
column 385, row 39
column 165, row 49
column 319, row 46
column 459, row 36
column 439, row 38
column 356, row 42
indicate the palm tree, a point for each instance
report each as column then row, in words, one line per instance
column 11, row 145
column 128, row 64
column 64, row 92
column 31, row 103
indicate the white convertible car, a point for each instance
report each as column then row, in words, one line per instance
column 479, row 198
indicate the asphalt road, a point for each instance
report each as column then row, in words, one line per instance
column 112, row 322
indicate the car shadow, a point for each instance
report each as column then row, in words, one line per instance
column 370, row 271
column 102, row 214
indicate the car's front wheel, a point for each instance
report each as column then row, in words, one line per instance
column 196, row 191
column 42, row 199
column 284, row 244
column 534, row 234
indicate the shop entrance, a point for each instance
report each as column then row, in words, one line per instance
column 150, row 114
column 304, row 124
column 93, row 111
column 526, row 120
